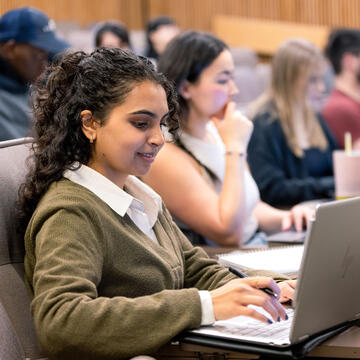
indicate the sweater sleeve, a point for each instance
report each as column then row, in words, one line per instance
column 71, row 319
column 267, row 150
column 205, row 273
column 200, row 271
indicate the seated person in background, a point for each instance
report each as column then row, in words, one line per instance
column 159, row 32
column 342, row 110
column 110, row 274
column 112, row 34
column 203, row 176
column 290, row 151
column 27, row 39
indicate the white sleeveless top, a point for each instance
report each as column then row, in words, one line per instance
column 211, row 153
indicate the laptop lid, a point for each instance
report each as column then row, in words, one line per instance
column 327, row 291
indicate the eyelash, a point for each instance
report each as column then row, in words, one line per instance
column 142, row 125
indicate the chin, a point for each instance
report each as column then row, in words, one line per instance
column 219, row 112
column 141, row 172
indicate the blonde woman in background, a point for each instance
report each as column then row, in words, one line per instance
column 290, row 151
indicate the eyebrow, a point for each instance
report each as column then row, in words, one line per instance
column 148, row 113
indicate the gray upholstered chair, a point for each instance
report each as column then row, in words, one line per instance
column 17, row 335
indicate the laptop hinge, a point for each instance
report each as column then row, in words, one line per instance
column 304, row 337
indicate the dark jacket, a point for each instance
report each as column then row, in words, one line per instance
column 283, row 178
column 14, row 104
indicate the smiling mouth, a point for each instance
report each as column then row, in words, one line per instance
column 148, row 156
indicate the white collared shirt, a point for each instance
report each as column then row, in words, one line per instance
column 140, row 202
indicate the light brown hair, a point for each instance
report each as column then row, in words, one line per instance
column 293, row 59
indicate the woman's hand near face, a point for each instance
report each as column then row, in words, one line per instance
column 233, row 298
column 298, row 216
column 234, row 128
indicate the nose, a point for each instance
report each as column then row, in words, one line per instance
column 321, row 87
column 157, row 138
column 233, row 88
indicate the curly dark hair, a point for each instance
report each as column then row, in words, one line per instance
column 97, row 82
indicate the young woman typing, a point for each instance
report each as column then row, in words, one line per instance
column 110, row 275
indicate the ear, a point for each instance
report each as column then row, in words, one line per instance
column 89, row 125
column 349, row 61
column 7, row 49
column 184, row 89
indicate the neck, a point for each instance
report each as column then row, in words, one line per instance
column 195, row 124
column 114, row 177
column 349, row 85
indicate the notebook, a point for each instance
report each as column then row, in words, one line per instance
column 327, row 294
column 284, row 260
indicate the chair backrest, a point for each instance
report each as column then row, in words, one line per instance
column 244, row 56
column 15, row 316
column 249, row 84
column 10, row 347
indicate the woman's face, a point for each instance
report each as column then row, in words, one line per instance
column 109, row 39
column 214, row 88
column 311, row 86
column 132, row 136
column 162, row 36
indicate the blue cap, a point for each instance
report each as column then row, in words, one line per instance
column 32, row 26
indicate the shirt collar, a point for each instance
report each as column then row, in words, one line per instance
column 137, row 195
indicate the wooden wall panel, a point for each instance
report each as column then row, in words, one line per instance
column 245, row 32
column 317, row 12
column 197, row 14
column 85, row 12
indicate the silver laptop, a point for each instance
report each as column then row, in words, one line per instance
column 327, row 292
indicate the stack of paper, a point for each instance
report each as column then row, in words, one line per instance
column 282, row 260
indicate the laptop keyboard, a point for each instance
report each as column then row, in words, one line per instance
column 277, row 332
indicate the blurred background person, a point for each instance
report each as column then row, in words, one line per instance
column 290, row 151
column 342, row 110
column 27, row 41
column 203, row 177
column 112, row 34
column 159, row 32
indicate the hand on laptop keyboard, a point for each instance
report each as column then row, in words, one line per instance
column 233, row 299
column 287, row 290
column 297, row 217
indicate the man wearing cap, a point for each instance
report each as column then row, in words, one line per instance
column 27, row 41
column 342, row 110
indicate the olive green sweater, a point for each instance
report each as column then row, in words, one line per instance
column 101, row 288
